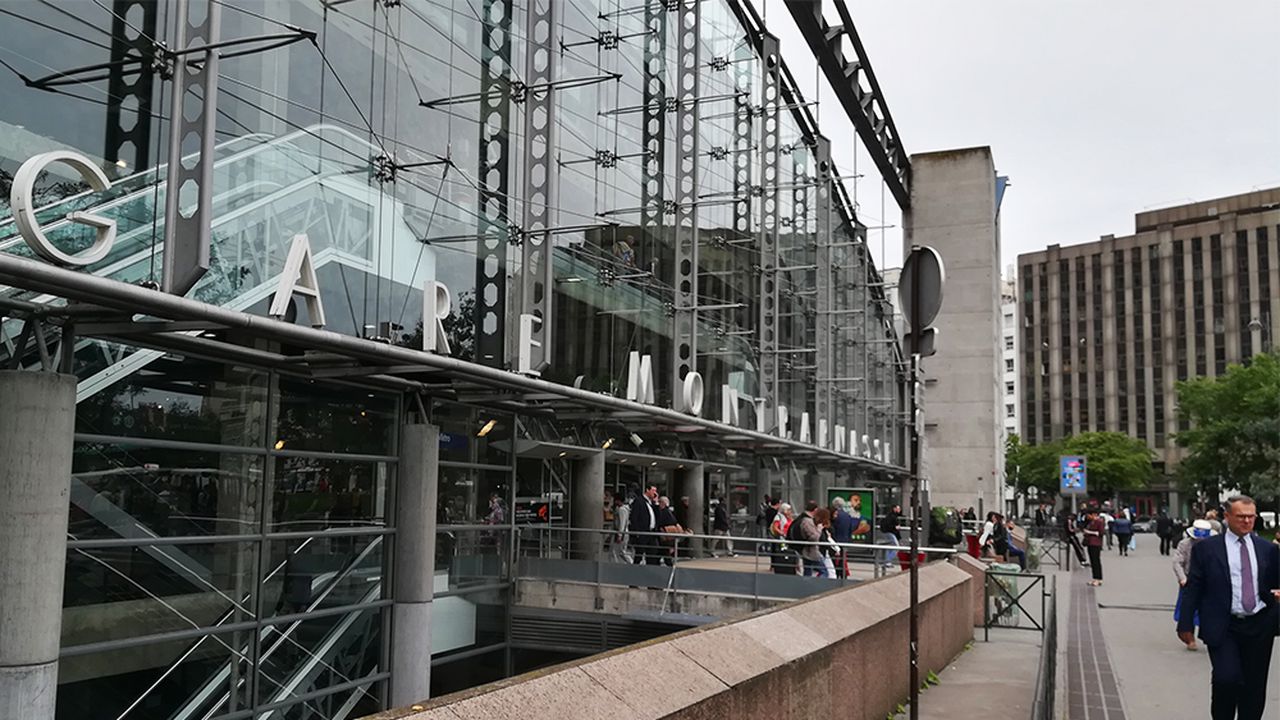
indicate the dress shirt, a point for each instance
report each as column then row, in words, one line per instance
column 1237, row 578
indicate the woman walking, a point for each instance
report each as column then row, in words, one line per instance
column 1093, row 532
column 1199, row 530
column 1122, row 526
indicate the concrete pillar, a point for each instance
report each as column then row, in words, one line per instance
column 588, row 506
column 414, row 563
column 691, row 482
column 37, row 429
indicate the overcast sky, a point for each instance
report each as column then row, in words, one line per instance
column 1095, row 109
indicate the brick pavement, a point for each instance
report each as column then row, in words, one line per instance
column 1092, row 691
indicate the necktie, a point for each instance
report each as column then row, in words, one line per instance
column 1248, row 595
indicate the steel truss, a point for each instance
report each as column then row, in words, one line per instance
column 865, row 107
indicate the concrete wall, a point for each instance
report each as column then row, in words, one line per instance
column 845, row 649
column 953, row 210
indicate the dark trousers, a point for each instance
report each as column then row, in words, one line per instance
column 1166, row 544
column 1240, row 664
column 1074, row 542
column 1123, row 541
column 1095, row 561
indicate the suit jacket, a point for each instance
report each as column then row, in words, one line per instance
column 1208, row 588
column 640, row 516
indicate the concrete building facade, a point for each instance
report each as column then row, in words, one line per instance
column 955, row 209
column 1109, row 327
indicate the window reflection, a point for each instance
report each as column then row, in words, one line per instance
column 314, row 494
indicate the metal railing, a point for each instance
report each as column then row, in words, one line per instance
column 1003, row 601
column 769, row 568
column 1042, row 706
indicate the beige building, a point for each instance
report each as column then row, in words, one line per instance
column 1108, row 327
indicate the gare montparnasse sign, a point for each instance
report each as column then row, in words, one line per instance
column 299, row 279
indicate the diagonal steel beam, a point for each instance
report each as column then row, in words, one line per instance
column 854, row 83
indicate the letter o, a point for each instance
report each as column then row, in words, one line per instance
column 693, row 390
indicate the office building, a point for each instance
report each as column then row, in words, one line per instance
column 955, row 209
column 1108, row 327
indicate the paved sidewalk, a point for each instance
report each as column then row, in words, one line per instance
column 993, row 679
column 1157, row 679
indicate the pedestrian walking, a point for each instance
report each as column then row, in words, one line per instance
column 1069, row 536
column 644, row 519
column 1231, row 583
column 889, row 533
column 1200, row 530
column 782, row 559
column 1122, row 526
column 804, row 529
column 1093, row 533
column 828, row 549
column 619, row 541
column 842, row 526
column 1164, row 531
column 1109, row 519
column 720, row 525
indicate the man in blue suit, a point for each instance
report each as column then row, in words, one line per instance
column 1232, row 583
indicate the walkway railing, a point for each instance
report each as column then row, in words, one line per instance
column 1042, row 707
column 766, row 569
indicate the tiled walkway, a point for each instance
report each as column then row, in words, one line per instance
column 1092, row 692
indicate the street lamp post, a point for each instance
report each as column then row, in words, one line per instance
column 1265, row 326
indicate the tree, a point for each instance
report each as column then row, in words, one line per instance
column 1234, row 436
column 1032, row 466
column 1116, row 462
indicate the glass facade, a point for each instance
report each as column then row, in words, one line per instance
column 647, row 179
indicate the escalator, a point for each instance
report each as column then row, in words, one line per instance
column 312, row 181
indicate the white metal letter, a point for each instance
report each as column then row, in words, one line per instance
column 762, row 423
column 524, row 354
column 640, row 378
column 299, row 278
column 437, row 303
column 822, row 432
column 22, row 200
column 728, row 405
column 805, row 435
column 692, row 393
column 842, row 438
column 866, row 446
column 782, row 421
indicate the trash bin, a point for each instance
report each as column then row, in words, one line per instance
column 1000, row 604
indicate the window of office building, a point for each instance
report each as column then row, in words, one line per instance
column 1244, row 307
column 1267, row 308
column 1099, row 348
column 1157, row 342
column 1197, row 304
column 1008, row 343
column 1140, row 368
column 1217, row 295
column 1008, row 388
column 1009, row 410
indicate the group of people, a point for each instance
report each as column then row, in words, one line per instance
column 996, row 538
column 1098, row 527
column 810, row 538
column 647, row 530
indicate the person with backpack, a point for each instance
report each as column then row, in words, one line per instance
column 805, row 529
column 782, row 559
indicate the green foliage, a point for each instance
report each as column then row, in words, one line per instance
column 1116, row 462
column 1234, row 440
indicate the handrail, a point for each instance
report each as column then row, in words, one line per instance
column 1042, row 707
column 732, row 538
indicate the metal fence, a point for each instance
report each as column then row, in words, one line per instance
column 1009, row 600
column 1042, row 707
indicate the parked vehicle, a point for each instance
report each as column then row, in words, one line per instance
column 1144, row 524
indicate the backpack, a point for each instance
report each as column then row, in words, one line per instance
column 793, row 530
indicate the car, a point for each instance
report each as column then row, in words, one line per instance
column 1144, row 524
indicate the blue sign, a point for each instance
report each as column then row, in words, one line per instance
column 1073, row 473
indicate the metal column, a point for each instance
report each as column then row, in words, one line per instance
column 414, row 567
column 691, row 482
column 685, row 345
column 770, row 159
column 36, row 436
column 587, row 506
column 129, row 42
column 189, row 190
column 537, row 265
column 495, row 150
column 825, row 331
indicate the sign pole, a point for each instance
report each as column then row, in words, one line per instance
column 916, row 332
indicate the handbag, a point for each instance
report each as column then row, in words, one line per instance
column 1133, row 542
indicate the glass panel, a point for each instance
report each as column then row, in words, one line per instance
column 333, row 418
column 119, row 490
column 470, row 495
column 155, row 682
column 177, row 398
column 471, row 557
column 305, row 656
column 473, row 435
column 320, row 572
column 318, row 494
